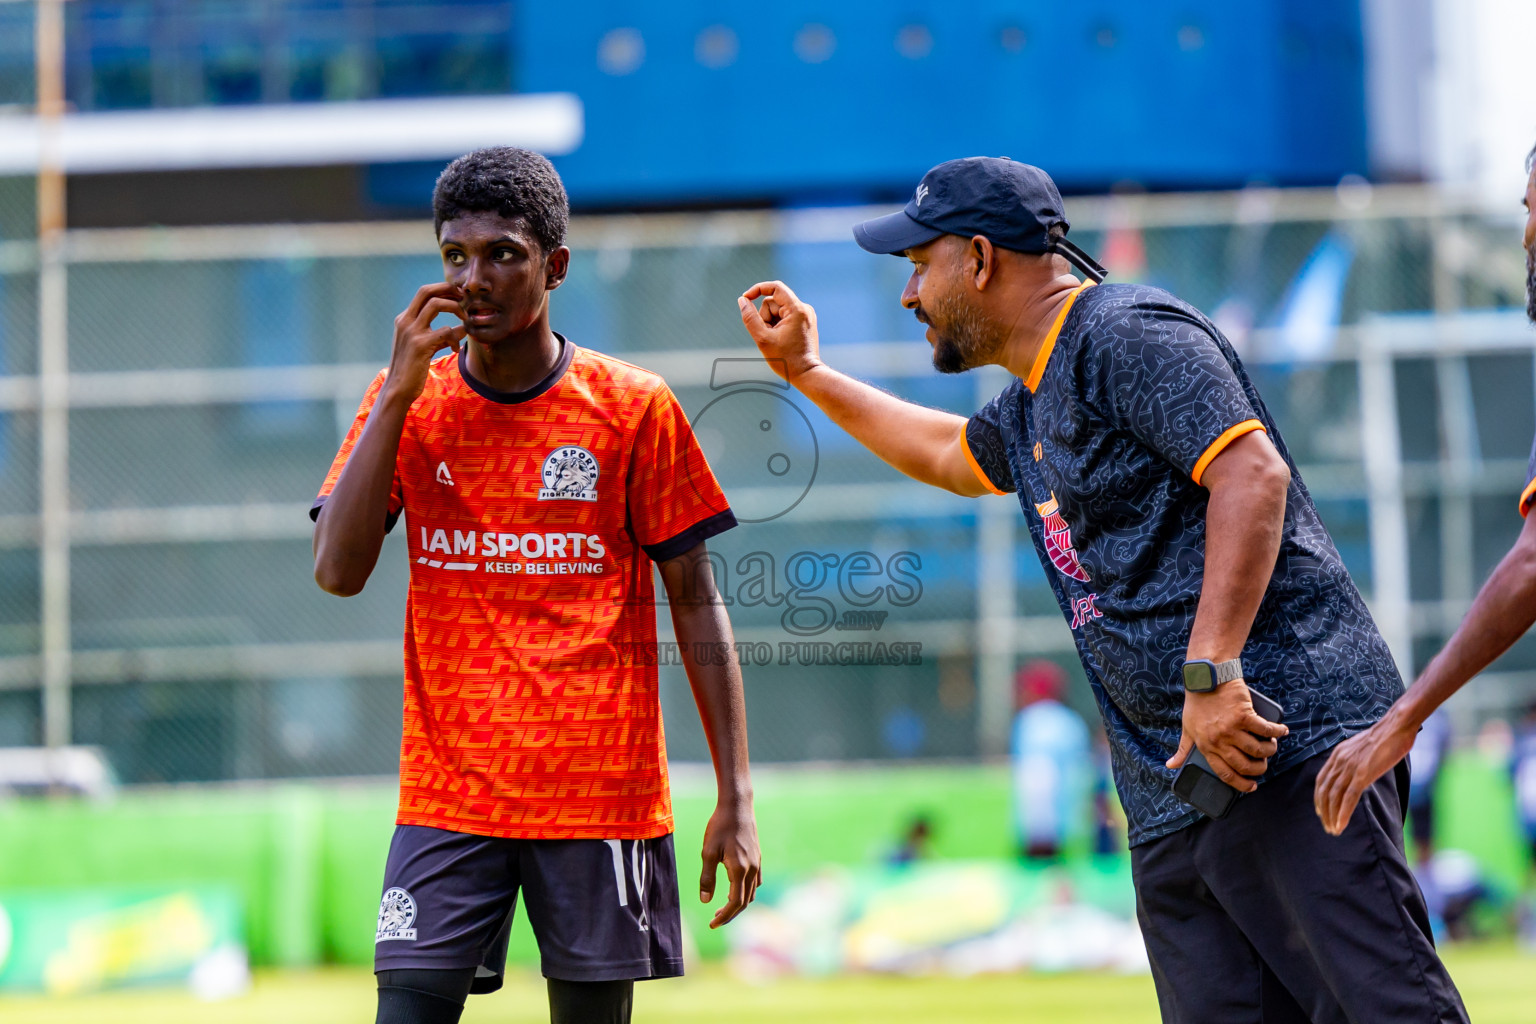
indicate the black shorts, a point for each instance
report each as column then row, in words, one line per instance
column 601, row 909
column 1263, row 918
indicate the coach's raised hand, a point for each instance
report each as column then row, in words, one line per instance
column 784, row 329
column 416, row 341
column 920, row 442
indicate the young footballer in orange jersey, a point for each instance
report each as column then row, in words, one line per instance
column 539, row 481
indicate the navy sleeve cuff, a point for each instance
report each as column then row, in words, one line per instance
column 690, row 538
column 314, row 515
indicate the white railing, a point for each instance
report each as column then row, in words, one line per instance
column 994, row 633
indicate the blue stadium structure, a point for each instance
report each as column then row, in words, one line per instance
column 693, row 103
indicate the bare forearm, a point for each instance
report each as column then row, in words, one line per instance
column 1243, row 523
column 1504, row 609
column 350, row 530
column 916, row 440
column 704, row 634
column 709, row 657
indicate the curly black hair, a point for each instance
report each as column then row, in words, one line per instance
column 509, row 181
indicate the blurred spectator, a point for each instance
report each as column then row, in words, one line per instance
column 1424, row 762
column 914, row 844
column 1050, row 762
column 903, row 732
column 1460, row 889
column 1108, row 819
column 1524, row 767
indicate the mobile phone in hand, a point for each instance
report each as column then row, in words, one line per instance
column 1200, row 787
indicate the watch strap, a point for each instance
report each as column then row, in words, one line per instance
column 1226, row 671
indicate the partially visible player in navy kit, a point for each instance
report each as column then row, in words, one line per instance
column 1190, row 561
column 1502, row 612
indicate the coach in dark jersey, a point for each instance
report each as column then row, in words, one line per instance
column 1182, row 547
column 1502, row 612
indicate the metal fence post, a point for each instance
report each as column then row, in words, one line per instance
column 53, row 376
column 1461, row 450
column 995, row 625
column 1382, row 449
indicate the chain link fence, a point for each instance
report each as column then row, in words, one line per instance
column 212, row 372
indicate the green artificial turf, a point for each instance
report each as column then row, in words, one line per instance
column 1498, row 982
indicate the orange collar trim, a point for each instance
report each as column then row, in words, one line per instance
column 1049, row 344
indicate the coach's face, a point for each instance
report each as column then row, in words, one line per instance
column 500, row 272
column 941, row 294
column 1530, row 245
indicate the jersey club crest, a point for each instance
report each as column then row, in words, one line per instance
column 1058, row 541
column 570, row 473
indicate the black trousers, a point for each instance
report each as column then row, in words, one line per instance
column 1263, row 917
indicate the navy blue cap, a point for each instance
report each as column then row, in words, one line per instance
column 1013, row 204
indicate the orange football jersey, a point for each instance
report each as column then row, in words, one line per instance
column 531, row 704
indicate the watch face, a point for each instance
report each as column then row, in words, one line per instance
column 1199, row 676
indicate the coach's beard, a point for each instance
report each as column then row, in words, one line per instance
column 1530, row 285
column 964, row 337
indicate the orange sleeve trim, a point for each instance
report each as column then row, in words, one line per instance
column 1049, row 344
column 1219, row 445
column 1527, row 497
column 970, row 459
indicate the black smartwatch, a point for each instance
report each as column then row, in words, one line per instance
column 1202, row 676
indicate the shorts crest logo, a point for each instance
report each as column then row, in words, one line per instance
column 397, row 912
column 569, row 473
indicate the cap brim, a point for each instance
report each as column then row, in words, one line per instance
column 893, row 234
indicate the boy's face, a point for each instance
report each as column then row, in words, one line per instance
column 501, row 274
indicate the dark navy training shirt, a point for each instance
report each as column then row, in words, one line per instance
column 1132, row 396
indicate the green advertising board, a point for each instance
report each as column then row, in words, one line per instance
column 79, row 940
